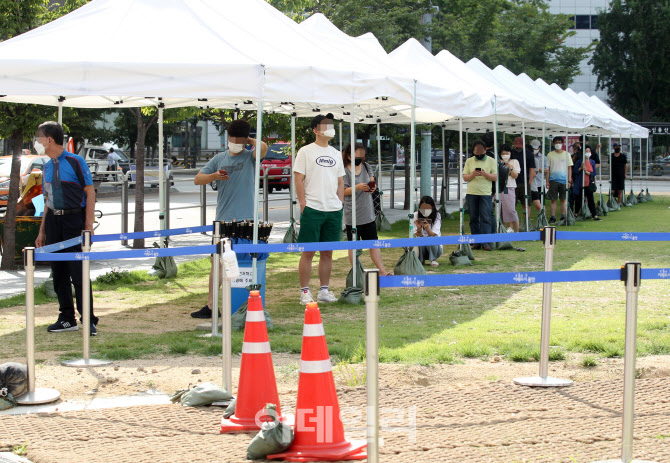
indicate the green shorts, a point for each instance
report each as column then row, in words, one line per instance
column 319, row 226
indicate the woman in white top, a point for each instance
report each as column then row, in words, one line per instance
column 427, row 222
column 508, row 198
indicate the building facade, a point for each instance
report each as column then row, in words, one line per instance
column 585, row 16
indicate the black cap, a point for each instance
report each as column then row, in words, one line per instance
column 316, row 120
column 616, row 145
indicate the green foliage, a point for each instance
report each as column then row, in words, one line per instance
column 632, row 58
column 589, row 362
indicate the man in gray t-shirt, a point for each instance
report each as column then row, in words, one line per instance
column 233, row 170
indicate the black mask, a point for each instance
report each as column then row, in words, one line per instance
column 358, row 161
column 617, row 150
column 480, row 156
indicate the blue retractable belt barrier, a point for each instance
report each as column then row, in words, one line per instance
column 656, row 273
column 58, row 246
column 393, row 243
column 611, row 236
column 511, row 278
column 152, row 234
column 140, row 253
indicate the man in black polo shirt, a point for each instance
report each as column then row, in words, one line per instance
column 69, row 206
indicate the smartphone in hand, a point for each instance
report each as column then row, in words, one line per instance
column 372, row 184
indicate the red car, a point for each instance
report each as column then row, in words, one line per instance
column 278, row 162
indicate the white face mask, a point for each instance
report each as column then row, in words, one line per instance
column 505, row 157
column 536, row 151
column 235, row 147
column 39, row 148
column 426, row 212
column 587, row 154
column 330, row 133
column 558, row 146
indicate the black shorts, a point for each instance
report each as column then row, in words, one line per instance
column 535, row 196
column 618, row 183
column 520, row 193
column 366, row 231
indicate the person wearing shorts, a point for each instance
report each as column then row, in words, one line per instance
column 366, row 228
column 508, row 197
column 319, row 185
column 536, row 184
column 558, row 175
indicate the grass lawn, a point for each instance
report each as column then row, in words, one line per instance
column 426, row 325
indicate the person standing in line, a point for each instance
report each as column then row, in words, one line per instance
column 233, row 170
column 508, row 197
column 619, row 172
column 365, row 210
column 584, row 172
column 480, row 171
column 319, row 186
column 538, row 180
column 527, row 173
column 69, row 208
column 558, row 176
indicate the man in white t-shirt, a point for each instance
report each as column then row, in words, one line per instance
column 319, row 184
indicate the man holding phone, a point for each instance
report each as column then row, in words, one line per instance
column 233, row 170
column 480, row 171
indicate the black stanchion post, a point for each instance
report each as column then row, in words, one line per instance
column 631, row 275
column 34, row 396
column 371, row 286
column 86, row 361
column 548, row 235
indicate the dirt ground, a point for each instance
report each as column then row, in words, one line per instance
column 464, row 412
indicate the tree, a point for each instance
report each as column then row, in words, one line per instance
column 632, row 58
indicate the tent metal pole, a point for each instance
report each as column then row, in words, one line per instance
column 379, row 163
column 412, row 149
column 632, row 162
column 460, row 175
column 257, row 178
column 341, row 146
column 648, row 151
column 161, row 172
column 445, row 172
column 526, row 212
column 600, row 175
column 60, row 109
column 544, row 150
column 584, row 172
column 292, row 186
column 495, row 149
column 352, row 166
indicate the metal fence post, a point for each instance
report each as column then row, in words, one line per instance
column 549, row 238
column 86, row 361
column 372, row 361
column 124, row 207
column 203, row 205
column 167, row 202
column 392, row 205
column 265, row 195
column 216, row 278
column 226, row 327
column 435, row 183
column 34, row 396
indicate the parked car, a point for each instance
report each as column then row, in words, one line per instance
column 278, row 162
column 29, row 163
column 96, row 158
column 661, row 166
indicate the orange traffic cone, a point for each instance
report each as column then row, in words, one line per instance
column 257, row 386
column 319, row 433
column 70, row 145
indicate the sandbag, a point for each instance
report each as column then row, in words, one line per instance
column 351, row 295
column 631, row 199
column 409, row 264
column 202, row 394
column 458, row 257
column 230, row 409
column 239, row 319
column 360, row 273
column 467, row 250
column 612, row 203
column 164, row 267
column 14, row 378
column 274, row 437
column 641, row 198
column 382, row 222
column 505, row 245
column 541, row 220
column 291, row 235
column 648, row 196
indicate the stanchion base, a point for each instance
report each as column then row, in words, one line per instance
column 41, row 395
column 210, row 335
column 619, row 460
column 85, row 363
column 538, row 381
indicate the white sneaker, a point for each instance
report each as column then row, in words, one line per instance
column 305, row 298
column 326, row 296
column 434, row 263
